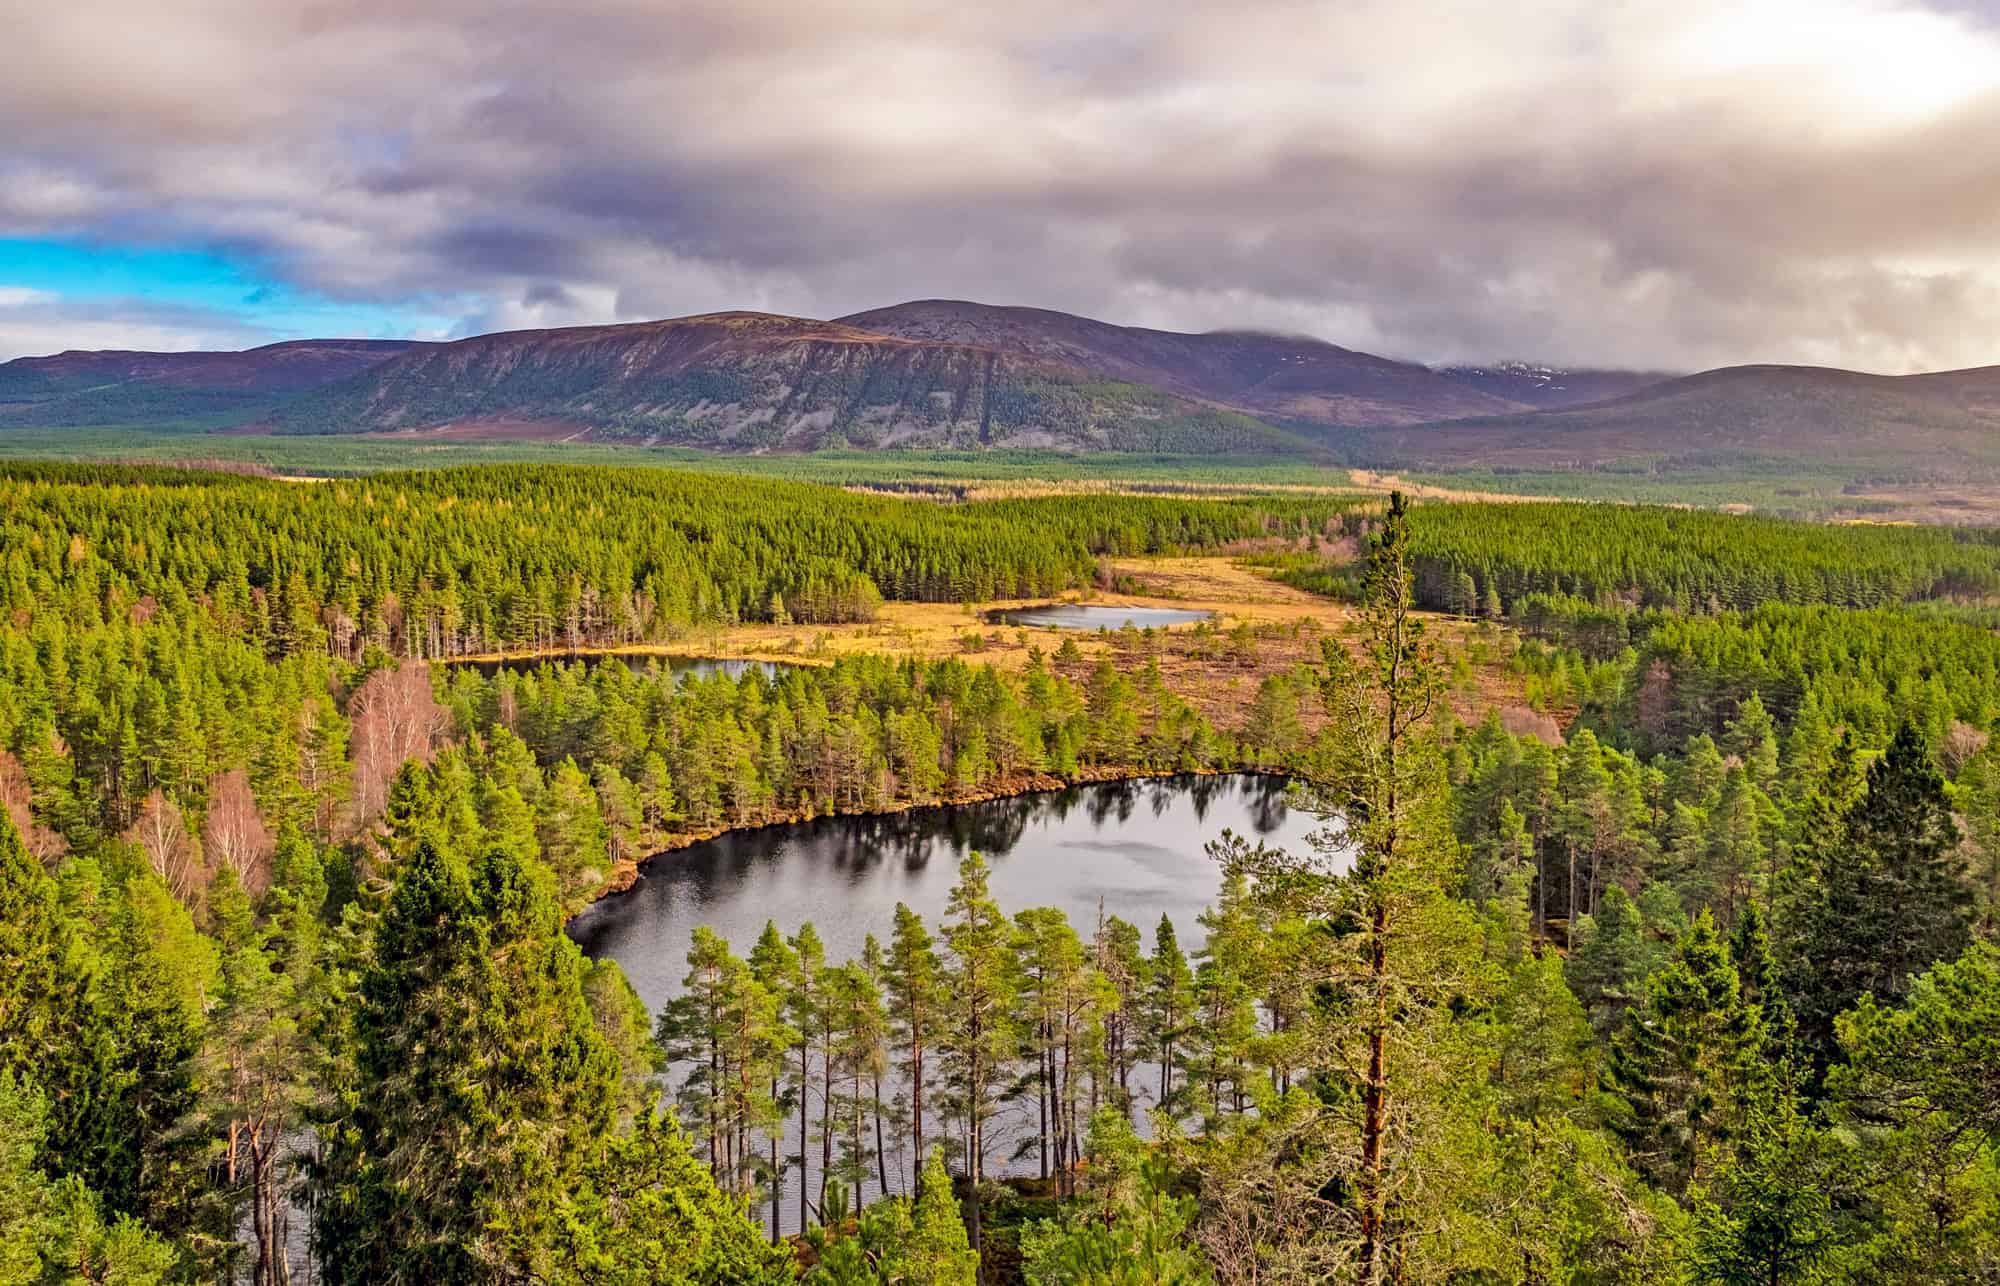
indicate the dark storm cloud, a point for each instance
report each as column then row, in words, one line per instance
column 1653, row 183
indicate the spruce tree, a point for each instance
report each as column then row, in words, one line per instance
column 1612, row 958
column 1685, row 1063
column 481, row 1088
column 1918, row 1087
column 1872, row 910
column 1766, row 1216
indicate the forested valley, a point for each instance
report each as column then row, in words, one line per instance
column 1691, row 977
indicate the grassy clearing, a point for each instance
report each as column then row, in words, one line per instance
column 1780, row 490
column 1261, row 628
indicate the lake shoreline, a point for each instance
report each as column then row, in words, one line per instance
column 619, row 651
column 626, row 874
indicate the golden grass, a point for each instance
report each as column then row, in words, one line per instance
column 1203, row 666
column 1369, row 480
column 1287, row 623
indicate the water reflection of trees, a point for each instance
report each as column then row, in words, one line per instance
column 861, row 846
column 1268, row 799
column 643, row 664
column 1202, row 792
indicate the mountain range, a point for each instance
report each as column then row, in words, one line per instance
column 118, row 387
column 944, row 373
column 1919, row 428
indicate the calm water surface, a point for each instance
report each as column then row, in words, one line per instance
column 1135, row 848
column 1081, row 616
column 1138, row 847
column 699, row 667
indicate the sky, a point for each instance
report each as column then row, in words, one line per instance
column 1666, row 185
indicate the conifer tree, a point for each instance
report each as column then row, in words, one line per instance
column 55, row 1230
column 1874, row 909
column 1134, row 1231
column 1917, row 1084
column 1168, row 1003
column 873, row 1036
column 1766, row 1216
column 981, row 1035
column 1225, row 998
column 1384, row 778
column 921, row 1241
column 645, row 1210
column 255, row 1061
column 1121, row 960
column 626, row 1026
column 919, row 1009
column 1343, row 1181
column 574, row 839
column 482, row 1087
column 775, row 966
column 695, row 1029
column 1757, row 970
column 1685, row 1063
column 1608, row 969
column 159, row 980
column 803, row 1014
column 936, row 1251
column 44, row 1022
column 858, row 1031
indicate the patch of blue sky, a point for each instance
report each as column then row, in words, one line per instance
column 205, row 280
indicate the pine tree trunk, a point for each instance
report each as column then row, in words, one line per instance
column 1569, row 925
column 777, row 1179
column 261, row 1272
column 805, row 1125
column 1375, row 1096
column 1068, row 1155
column 825, row 1121
column 1042, row 1102
column 881, row 1154
column 917, row 1103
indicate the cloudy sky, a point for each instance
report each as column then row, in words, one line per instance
column 1666, row 183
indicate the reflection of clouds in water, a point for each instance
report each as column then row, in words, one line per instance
column 1138, row 846
column 1158, row 858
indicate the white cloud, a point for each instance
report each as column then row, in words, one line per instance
column 37, row 322
column 1677, row 182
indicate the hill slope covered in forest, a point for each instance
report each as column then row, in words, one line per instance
column 1919, row 427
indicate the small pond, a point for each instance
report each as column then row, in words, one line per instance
column 698, row 667
column 1087, row 616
